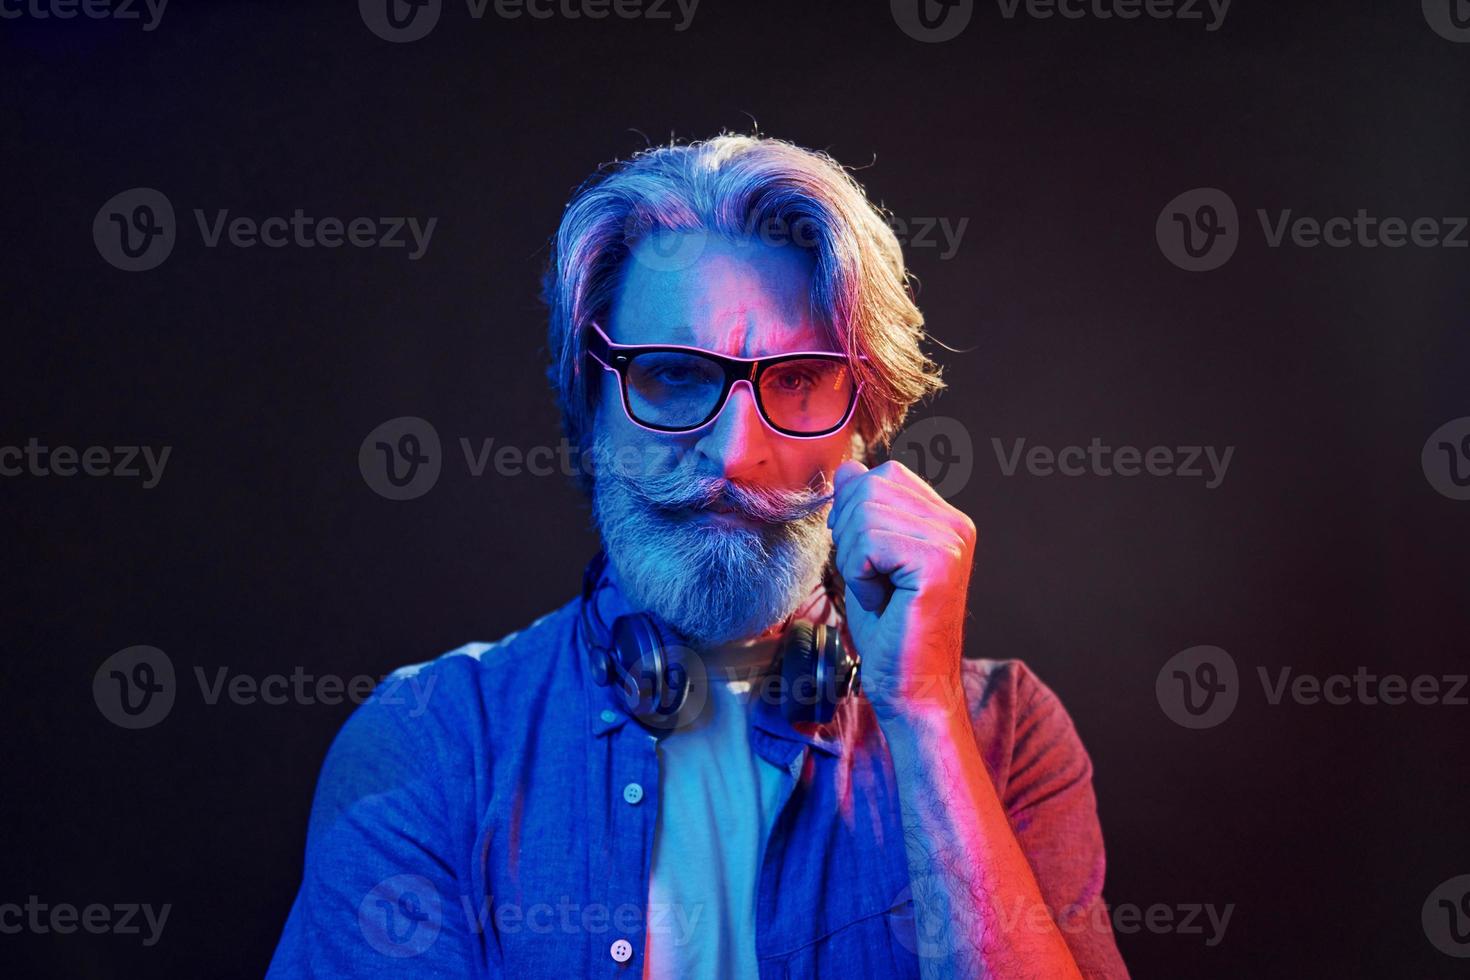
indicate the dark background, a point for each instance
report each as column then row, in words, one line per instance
column 263, row 549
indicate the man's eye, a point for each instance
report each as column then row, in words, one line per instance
column 676, row 375
column 795, row 381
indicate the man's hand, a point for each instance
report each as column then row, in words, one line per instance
column 905, row 555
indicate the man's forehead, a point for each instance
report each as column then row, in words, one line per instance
column 742, row 299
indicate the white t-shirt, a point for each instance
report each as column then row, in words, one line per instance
column 717, row 802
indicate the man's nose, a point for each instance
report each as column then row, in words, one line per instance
column 738, row 442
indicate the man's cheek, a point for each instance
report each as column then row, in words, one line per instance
column 810, row 463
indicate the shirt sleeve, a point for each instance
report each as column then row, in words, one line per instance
column 379, row 895
column 1044, row 776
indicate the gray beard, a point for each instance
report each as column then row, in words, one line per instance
column 712, row 584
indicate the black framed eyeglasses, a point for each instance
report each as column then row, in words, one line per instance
column 672, row 388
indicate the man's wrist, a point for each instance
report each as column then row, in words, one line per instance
column 918, row 733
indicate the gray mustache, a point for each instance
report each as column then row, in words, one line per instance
column 674, row 491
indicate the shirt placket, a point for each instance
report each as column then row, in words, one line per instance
column 625, row 772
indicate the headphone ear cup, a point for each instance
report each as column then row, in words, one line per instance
column 653, row 689
column 816, row 672
column 801, row 693
column 637, row 656
column 840, row 666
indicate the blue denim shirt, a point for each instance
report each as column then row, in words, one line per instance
column 500, row 823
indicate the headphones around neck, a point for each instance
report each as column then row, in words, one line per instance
column 817, row 671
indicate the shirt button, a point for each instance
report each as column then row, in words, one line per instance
column 632, row 793
column 622, row 950
column 609, row 715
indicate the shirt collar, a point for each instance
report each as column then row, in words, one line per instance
column 776, row 740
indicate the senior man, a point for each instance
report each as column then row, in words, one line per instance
column 750, row 747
